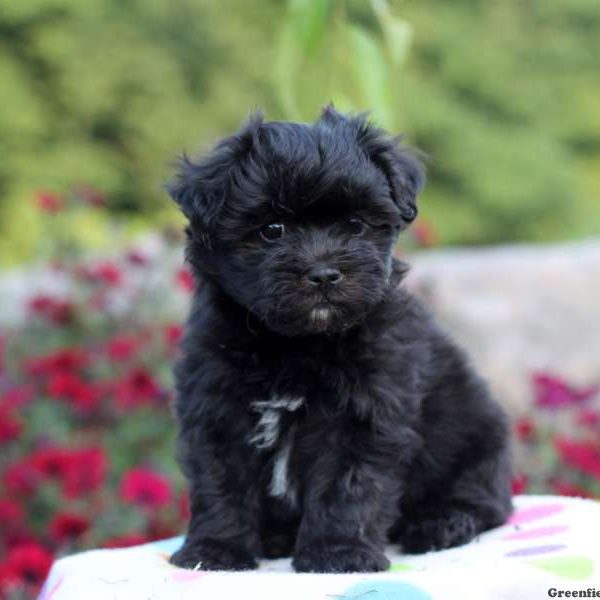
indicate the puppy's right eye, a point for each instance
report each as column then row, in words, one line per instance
column 272, row 232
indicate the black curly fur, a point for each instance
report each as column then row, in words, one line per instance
column 321, row 421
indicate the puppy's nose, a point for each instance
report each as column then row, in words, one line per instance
column 323, row 275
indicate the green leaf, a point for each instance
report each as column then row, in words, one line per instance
column 285, row 68
column 309, row 19
column 397, row 32
column 371, row 74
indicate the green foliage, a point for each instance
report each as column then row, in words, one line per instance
column 498, row 106
column 106, row 93
column 498, row 95
column 502, row 96
column 327, row 53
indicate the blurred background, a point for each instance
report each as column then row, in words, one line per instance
column 99, row 97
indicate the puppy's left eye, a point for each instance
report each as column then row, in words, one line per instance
column 356, row 227
column 272, row 232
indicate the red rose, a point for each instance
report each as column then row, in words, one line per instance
column 9, row 582
column 525, row 430
column 62, row 384
column 51, row 462
column 520, row 484
column 21, row 478
column 80, row 472
column 86, row 472
column 67, row 359
column 124, row 541
column 137, row 258
column 10, row 513
column 564, row 488
column 68, row 526
column 553, row 392
column 17, row 535
column 11, row 426
column 69, row 387
column 60, row 312
column 584, row 456
column 27, row 564
column 40, row 304
column 17, row 397
column 137, row 389
column 48, row 202
column 146, row 488
column 589, row 417
column 108, row 273
column 173, row 335
column 122, row 348
column 185, row 279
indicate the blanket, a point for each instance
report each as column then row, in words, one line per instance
column 551, row 544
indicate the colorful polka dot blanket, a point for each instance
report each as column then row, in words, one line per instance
column 550, row 544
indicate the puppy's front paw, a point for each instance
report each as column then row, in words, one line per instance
column 438, row 533
column 346, row 557
column 212, row 555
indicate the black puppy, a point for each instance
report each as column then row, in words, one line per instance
column 322, row 413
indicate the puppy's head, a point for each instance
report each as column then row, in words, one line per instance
column 297, row 222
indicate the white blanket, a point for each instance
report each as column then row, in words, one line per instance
column 550, row 544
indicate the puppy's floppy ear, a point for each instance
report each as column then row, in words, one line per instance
column 403, row 168
column 200, row 187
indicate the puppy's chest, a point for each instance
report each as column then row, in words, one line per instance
column 286, row 424
column 276, row 419
column 276, row 422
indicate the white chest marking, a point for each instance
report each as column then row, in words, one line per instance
column 267, row 435
column 268, row 429
column 280, row 485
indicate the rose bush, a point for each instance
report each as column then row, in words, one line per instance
column 548, row 462
column 87, row 441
